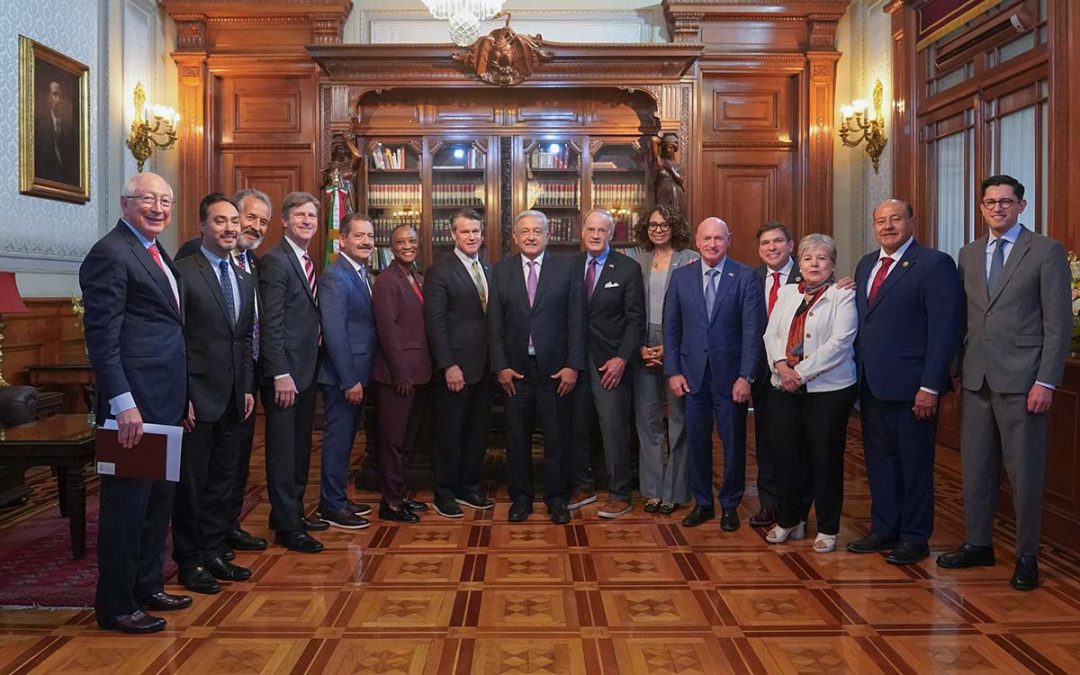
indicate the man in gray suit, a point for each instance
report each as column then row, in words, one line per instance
column 1019, row 320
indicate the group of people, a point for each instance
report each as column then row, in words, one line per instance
column 678, row 341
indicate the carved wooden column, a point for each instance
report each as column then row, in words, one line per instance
column 902, row 134
column 817, row 178
column 193, row 142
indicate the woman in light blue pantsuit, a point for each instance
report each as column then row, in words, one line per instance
column 664, row 240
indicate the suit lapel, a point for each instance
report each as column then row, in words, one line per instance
column 465, row 278
column 214, row 282
column 147, row 261
column 906, row 262
column 724, row 286
column 353, row 276
column 295, row 262
column 1016, row 256
column 606, row 273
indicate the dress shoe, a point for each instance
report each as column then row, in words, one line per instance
column 698, row 515
column 226, row 571
column 165, row 602
column 907, row 553
column 668, row 508
column 227, row 554
column 763, row 518
column 520, row 512
column 136, row 623
column 198, row 580
column 475, row 501
column 614, row 508
column 967, row 555
column 402, row 514
column 560, row 514
column 345, row 519
column 414, row 506
column 239, row 540
column 652, row 505
column 581, row 497
column 360, row 509
column 298, row 541
column 779, row 534
column 312, row 525
column 448, row 509
column 729, row 520
column 1026, row 575
column 872, row 543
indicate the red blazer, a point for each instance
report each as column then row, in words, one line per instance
column 404, row 356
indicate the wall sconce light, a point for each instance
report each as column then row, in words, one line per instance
column 154, row 128
column 870, row 129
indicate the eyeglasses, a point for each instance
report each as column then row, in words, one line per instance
column 150, row 200
column 994, row 203
column 659, row 227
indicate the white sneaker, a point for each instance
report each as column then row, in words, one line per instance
column 825, row 543
column 779, row 535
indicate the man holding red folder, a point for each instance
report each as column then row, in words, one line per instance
column 135, row 340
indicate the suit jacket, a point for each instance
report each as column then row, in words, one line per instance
column 348, row 320
column 399, row 318
column 764, row 372
column 219, row 358
column 456, row 322
column 556, row 320
column 134, row 330
column 1022, row 334
column 829, row 362
column 728, row 342
column 288, row 318
column 908, row 337
column 644, row 258
column 66, row 167
column 615, row 315
column 189, row 247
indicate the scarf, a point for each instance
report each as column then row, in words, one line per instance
column 796, row 334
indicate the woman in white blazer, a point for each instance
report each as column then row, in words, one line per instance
column 809, row 343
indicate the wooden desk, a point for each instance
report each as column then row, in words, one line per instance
column 76, row 380
column 65, row 442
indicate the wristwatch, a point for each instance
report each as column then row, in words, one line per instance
column 749, row 378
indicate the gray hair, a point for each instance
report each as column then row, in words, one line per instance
column 241, row 195
column 603, row 212
column 532, row 213
column 130, row 184
column 812, row 241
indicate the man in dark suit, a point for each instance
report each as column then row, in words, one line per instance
column 135, row 340
column 714, row 317
column 219, row 309
column 255, row 210
column 1019, row 323
column 289, row 340
column 56, row 138
column 615, row 328
column 402, row 371
column 455, row 312
column 537, row 341
column 348, row 320
column 909, row 304
column 777, row 268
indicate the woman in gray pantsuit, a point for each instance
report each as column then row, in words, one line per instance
column 664, row 240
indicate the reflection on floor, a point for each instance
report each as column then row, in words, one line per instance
column 640, row 594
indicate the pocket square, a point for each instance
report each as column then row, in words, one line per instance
column 611, row 284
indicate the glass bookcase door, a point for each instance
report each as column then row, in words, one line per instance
column 394, row 194
column 458, row 181
column 618, row 184
column 553, row 185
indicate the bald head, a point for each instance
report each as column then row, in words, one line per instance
column 712, row 239
column 894, row 224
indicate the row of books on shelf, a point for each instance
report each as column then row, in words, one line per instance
column 545, row 159
column 381, row 196
column 457, row 194
column 621, row 195
column 384, row 158
column 554, row 194
column 384, row 227
column 563, row 230
column 462, row 159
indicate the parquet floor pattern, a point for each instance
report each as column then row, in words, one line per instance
column 640, row 594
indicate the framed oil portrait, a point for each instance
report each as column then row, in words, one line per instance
column 54, row 124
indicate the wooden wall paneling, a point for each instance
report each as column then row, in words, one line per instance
column 902, row 132
column 1064, row 26
column 747, row 187
column 193, row 142
column 276, row 172
column 49, row 333
column 816, row 177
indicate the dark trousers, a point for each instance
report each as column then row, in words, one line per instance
column 899, row 453
column 537, row 396
column 288, row 457
column 399, row 421
column 234, row 500
column 132, row 524
column 341, row 421
column 207, row 477
column 702, row 409
column 811, row 430
column 463, row 419
column 766, row 423
column 613, row 409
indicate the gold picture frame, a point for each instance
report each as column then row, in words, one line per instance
column 54, row 124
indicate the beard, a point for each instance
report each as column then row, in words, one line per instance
column 245, row 242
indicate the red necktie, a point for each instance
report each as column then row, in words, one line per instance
column 309, row 270
column 879, row 278
column 156, row 255
column 775, row 292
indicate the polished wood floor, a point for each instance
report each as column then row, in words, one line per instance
column 640, row 594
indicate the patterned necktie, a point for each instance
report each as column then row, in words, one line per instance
column 241, row 260
column 997, row 268
column 710, row 292
column 309, row 270
column 879, row 278
column 364, row 277
column 226, row 289
column 530, row 282
column 590, row 279
column 478, row 281
column 156, row 255
column 775, row 292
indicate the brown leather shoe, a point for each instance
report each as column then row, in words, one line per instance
column 580, row 498
column 763, row 518
column 614, row 508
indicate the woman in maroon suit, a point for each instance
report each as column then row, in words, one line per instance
column 402, row 367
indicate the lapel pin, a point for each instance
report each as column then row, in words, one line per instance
column 905, row 263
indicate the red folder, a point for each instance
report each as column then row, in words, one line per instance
column 146, row 460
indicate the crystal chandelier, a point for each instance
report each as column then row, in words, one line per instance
column 464, row 16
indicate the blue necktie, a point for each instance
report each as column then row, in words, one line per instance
column 710, row 292
column 226, row 290
column 997, row 268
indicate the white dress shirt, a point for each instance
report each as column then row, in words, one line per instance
column 770, row 277
column 468, row 263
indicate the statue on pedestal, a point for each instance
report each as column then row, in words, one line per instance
column 669, row 184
